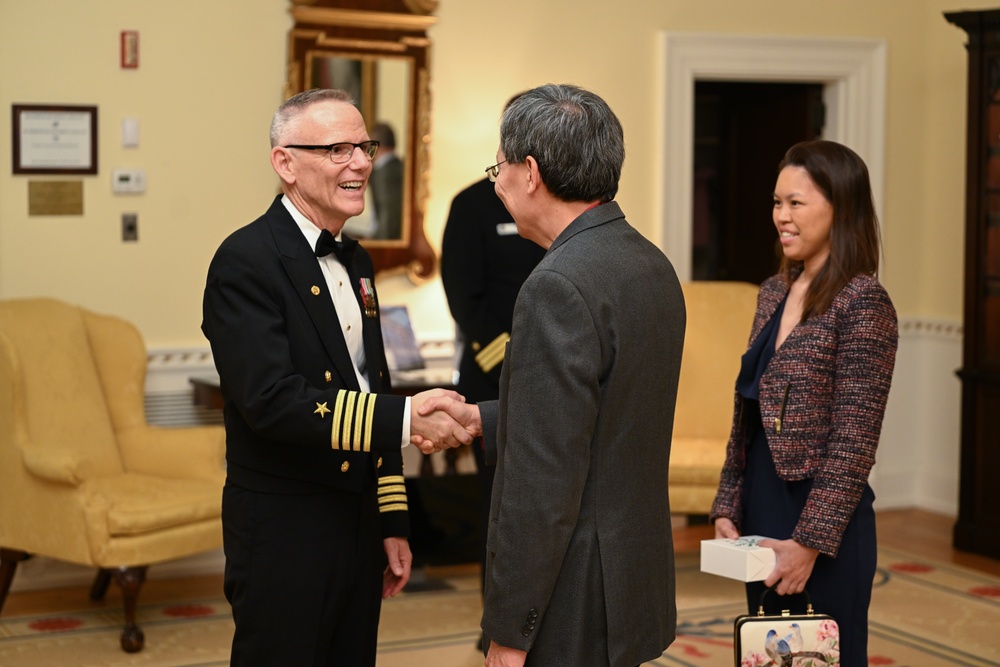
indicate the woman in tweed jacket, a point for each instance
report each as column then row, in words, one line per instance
column 811, row 395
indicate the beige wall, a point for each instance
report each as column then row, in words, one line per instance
column 211, row 74
column 210, row 77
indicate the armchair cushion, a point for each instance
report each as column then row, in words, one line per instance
column 196, row 452
column 695, row 461
column 132, row 504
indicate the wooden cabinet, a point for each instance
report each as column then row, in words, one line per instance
column 978, row 525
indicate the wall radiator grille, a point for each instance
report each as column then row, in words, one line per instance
column 177, row 408
column 169, row 396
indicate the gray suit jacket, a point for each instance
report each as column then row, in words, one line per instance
column 580, row 563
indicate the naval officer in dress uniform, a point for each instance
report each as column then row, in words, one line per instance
column 314, row 508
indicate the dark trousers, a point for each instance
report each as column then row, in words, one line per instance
column 303, row 576
column 485, row 473
column 841, row 586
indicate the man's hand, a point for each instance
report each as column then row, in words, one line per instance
column 793, row 563
column 433, row 431
column 398, row 571
column 502, row 656
column 467, row 416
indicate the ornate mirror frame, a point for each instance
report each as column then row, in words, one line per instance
column 369, row 37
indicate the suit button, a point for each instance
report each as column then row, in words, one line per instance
column 345, row 466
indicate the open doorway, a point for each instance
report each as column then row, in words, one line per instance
column 741, row 132
column 853, row 74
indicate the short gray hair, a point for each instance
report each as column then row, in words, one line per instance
column 293, row 106
column 574, row 136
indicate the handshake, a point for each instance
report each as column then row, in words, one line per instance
column 440, row 419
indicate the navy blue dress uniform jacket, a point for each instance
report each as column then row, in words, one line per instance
column 296, row 420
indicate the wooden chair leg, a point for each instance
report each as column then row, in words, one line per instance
column 9, row 558
column 100, row 586
column 130, row 580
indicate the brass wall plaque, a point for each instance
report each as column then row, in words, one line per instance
column 55, row 197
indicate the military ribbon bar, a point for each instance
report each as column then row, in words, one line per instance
column 368, row 296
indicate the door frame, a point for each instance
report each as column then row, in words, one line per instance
column 852, row 71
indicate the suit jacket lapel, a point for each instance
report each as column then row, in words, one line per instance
column 309, row 283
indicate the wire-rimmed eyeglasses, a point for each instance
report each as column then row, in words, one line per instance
column 494, row 171
column 342, row 151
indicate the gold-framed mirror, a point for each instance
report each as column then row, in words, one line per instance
column 378, row 51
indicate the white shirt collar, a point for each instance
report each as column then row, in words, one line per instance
column 306, row 226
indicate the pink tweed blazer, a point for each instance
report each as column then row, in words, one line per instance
column 822, row 399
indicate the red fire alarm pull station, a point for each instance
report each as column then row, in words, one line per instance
column 130, row 49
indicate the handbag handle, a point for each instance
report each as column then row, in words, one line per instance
column 784, row 612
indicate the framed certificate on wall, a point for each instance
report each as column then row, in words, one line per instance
column 50, row 139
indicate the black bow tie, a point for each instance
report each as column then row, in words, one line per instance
column 344, row 250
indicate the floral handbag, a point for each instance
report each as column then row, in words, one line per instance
column 786, row 640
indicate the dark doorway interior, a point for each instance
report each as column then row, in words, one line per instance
column 742, row 130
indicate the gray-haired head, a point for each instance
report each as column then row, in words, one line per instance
column 572, row 134
column 295, row 105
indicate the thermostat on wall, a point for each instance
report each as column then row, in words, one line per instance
column 128, row 180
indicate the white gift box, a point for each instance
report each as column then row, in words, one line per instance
column 741, row 559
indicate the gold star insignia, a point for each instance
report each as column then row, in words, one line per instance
column 321, row 410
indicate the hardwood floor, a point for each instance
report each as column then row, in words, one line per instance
column 924, row 533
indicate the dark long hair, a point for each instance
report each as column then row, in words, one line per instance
column 842, row 177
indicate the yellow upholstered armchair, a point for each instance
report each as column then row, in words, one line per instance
column 83, row 477
column 719, row 316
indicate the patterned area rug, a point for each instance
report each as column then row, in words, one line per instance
column 923, row 614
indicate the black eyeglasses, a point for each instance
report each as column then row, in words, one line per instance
column 494, row 171
column 341, row 152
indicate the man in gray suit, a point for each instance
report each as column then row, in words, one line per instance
column 580, row 561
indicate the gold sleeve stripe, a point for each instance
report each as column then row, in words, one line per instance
column 391, row 479
column 369, row 421
column 393, row 508
column 396, row 498
column 492, row 355
column 350, row 410
column 338, row 420
column 353, row 419
column 392, row 488
column 359, row 423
